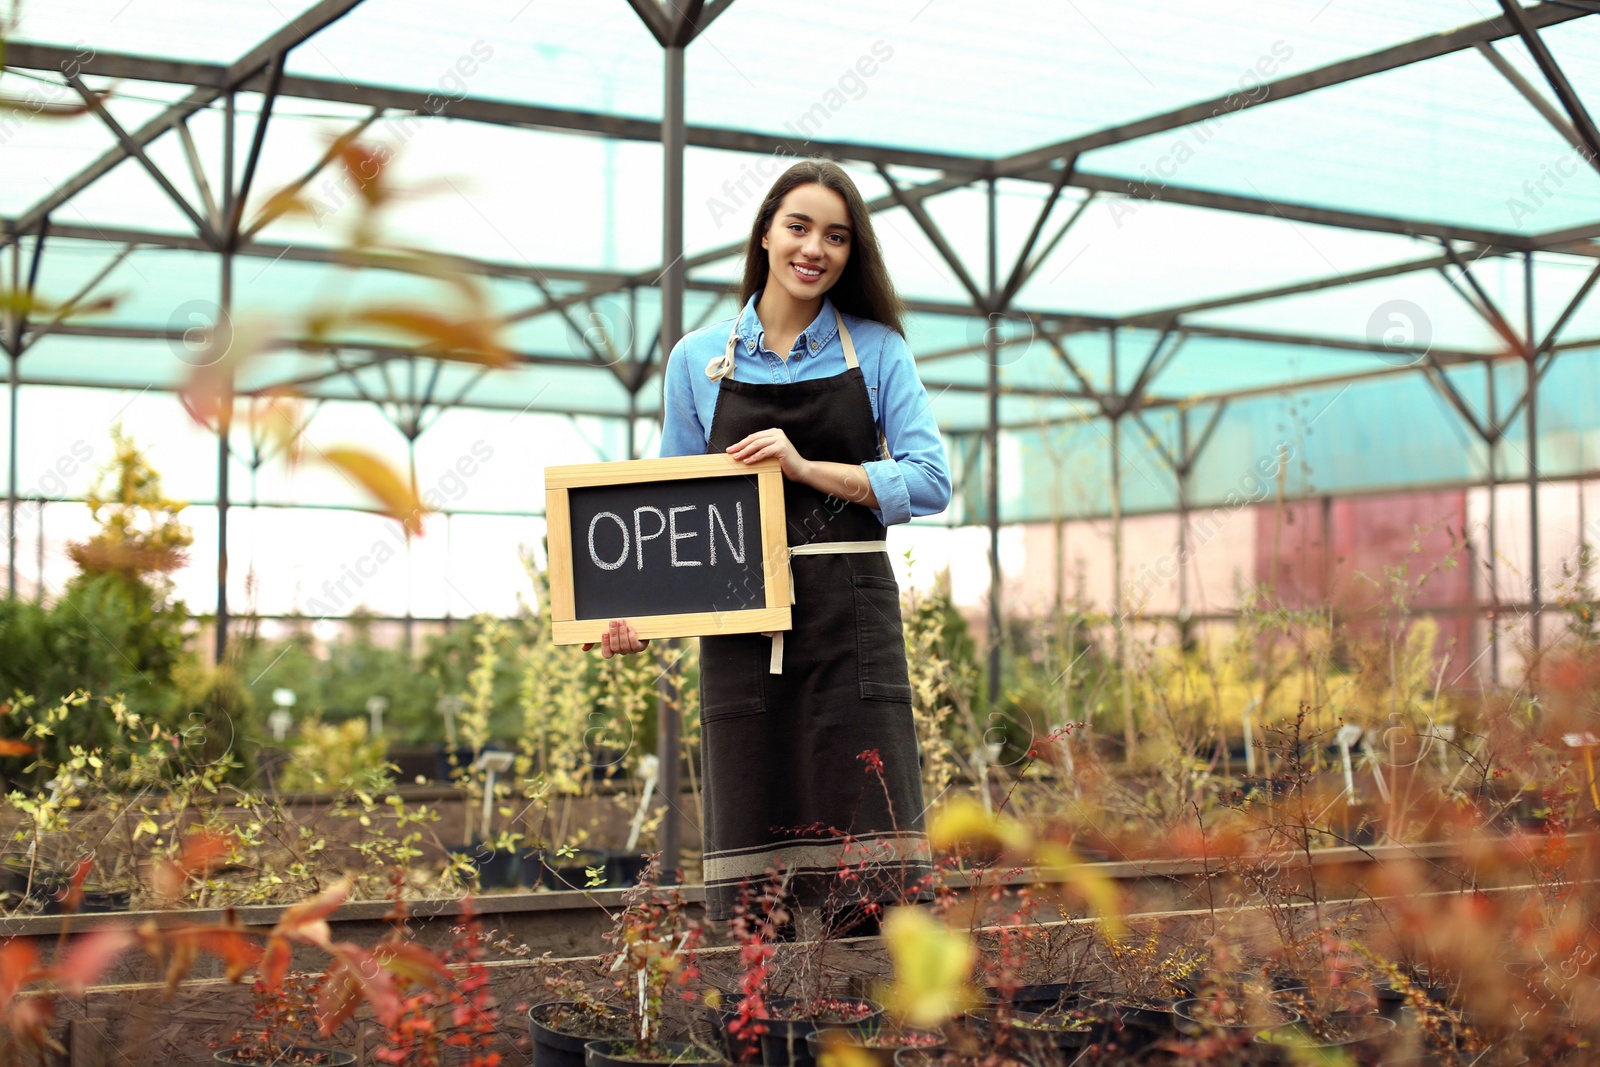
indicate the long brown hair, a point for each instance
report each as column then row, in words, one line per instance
column 863, row 289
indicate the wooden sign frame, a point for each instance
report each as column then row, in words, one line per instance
column 773, row 615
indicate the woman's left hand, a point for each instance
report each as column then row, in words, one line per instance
column 771, row 444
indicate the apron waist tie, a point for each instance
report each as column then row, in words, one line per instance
column 815, row 548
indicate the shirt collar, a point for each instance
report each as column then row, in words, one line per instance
column 823, row 328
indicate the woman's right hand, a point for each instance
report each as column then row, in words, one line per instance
column 619, row 640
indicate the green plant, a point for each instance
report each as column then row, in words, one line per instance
column 329, row 757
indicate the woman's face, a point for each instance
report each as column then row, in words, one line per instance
column 808, row 243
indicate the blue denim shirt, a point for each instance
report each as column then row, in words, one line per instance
column 916, row 481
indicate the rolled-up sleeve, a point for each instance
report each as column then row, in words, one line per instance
column 916, row 480
column 681, row 432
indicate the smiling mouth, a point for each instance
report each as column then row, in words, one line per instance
column 806, row 273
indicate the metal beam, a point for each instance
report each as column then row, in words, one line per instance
column 654, row 18
column 1522, row 85
column 28, row 56
column 274, row 81
column 153, row 333
column 685, row 27
column 1447, row 389
column 197, row 171
column 134, row 386
column 317, row 17
column 28, row 339
column 1254, row 296
column 1057, row 321
column 130, row 147
column 1023, row 270
column 980, row 299
column 1582, row 124
column 1486, row 305
column 961, row 169
column 1307, row 213
column 1548, row 347
column 991, row 438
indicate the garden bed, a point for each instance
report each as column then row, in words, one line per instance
column 146, row 1025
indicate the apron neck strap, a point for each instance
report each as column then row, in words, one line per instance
column 722, row 366
column 844, row 339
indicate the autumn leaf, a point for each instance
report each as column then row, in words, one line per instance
column 356, row 975
column 30, row 1019
column 471, row 339
column 8, row 747
column 839, row 1051
column 963, row 823
column 307, row 922
column 275, row 963
column 277, row 419
column 365, row 165
column 90, row 956
column 286, row 202
column 932, row 968
column 411, row 962
column 22, row 302
column 200, row 852
column 19, row 965
column 181, row 945
column 73, row 897
column 1098, row 891
column 398, row 499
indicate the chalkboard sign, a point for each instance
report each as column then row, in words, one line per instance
column 679, row 547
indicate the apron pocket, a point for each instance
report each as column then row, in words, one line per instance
column 733, row 670
column 880, row 641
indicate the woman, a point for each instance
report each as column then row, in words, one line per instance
column 810, row 753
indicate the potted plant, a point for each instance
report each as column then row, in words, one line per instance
column 874, row 1040
column 1221, row 1013
column 286, row 1020
column 655, row 955
column 790, row 1020
column 1357, row 1036
column 561, row 1028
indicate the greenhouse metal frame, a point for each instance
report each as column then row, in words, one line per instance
column 1121, row 405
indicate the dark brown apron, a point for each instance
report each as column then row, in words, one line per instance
column 789, row 785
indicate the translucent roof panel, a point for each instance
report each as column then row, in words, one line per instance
column 201, row 30
column 1128, row 257
column 595, row 55
column 910, row 67
column 1410, row 308
column 1449, row 140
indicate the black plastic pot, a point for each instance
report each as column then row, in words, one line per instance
column 1140, row 1024
column 1191, row 1019
column 917, row 1057
column 49, row 887
column 857, row 1034
column 1043, row 1031
column 1338, row 1004
column 784, row 1043
column 742, row 1048
column 104, row 901
column 497, row 868
column 553, row 1048
column 1289, row 1044
column 624, row 868
column 609, row 1052
column 42, row 886
column 441, row 761
column 323, row 1057
column 1039, row 997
